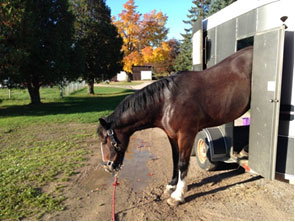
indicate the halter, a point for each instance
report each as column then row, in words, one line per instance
column 115, row 146
column 114, row 142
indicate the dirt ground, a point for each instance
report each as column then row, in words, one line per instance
column 227, row 194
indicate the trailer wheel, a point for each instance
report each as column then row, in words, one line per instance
column 193, row 153
column 202, row 152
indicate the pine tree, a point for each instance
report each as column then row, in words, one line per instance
column 99, row 40
column 218, row 5
column 200, row 10
column 184, row 59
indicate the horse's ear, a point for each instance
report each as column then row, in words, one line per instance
column 103, row 123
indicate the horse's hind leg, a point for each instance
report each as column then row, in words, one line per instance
column 175, row 155
column 185, row 144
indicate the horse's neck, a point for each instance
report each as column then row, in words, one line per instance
column 135, row 121
column 144, row 109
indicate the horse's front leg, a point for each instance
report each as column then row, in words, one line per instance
column 185, row 146
column 175, row 156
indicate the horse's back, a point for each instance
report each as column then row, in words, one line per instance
column 217, row 95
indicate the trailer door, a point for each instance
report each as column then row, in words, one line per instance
column 265, row 100
column 197, row 50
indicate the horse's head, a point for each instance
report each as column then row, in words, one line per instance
column 113, row 146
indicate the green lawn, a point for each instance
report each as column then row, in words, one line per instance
column 45, row 144
column 78, row 107
column 125, row 83
column 22, row 97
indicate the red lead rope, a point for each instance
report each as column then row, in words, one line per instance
column 114, row 196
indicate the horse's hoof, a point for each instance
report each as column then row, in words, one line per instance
column 169, row 190
column 167, row 193
column 173, row 203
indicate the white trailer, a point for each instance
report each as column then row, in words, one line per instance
column 269, row 26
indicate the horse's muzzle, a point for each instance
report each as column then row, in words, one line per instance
column 110, row 167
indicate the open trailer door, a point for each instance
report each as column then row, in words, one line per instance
column 197, row 50
column 265, row 100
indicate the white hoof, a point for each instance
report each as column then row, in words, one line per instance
column 173, row 202
column 169, row 190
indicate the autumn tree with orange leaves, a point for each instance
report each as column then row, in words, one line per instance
column 143, row 36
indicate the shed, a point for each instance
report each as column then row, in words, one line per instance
column 142, row 72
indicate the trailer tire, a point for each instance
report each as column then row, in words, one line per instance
column 202, row 152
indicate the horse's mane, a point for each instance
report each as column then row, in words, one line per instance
column 141, row 100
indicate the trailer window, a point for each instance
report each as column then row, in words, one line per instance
column 243, row 43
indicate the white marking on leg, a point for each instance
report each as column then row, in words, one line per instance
column 181, row 187
column 170, row 187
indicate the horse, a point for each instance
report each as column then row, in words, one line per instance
column 181, row 105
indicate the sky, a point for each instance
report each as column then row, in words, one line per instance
column 176, row 10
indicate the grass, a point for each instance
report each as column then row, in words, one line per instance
column 78, row 107
column 45, row 144
column 125, row 83
column 22, row 97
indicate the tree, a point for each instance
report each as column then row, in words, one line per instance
column 218, row 5
column 153, row 31
column 183, row 61
column 200, row 10
column 175, row 49
column 128, row 26
column 99, row 40
column 11, row 55
column 157, row 56
column 133, row 59
column 41, row 39
column 139, row 33
column 161, row 58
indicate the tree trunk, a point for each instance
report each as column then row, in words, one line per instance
column 129, row 77
column 34, row 93
column 91, row 87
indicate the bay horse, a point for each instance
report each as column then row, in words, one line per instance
column 181, row 105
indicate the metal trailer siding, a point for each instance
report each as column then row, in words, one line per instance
column 211, row 47
column 221, row 41
column 265, row 101
column 197, row 49
column 285, row 152
column 246, row 24
column 226, row 40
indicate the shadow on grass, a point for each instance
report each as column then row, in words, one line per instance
column 68, row 105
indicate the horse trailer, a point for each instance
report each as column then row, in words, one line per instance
column 266, row 145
